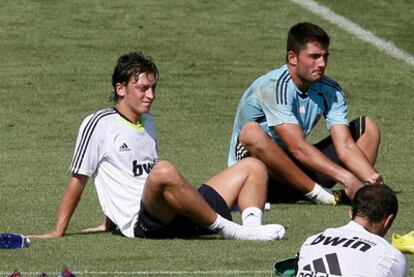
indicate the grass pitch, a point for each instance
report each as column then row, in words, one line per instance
column 57, row 59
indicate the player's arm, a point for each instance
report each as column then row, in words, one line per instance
column 68, row 205
column 351, row 155
column 313, row 158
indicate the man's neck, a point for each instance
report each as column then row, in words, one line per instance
column 301, row 84
column 128, row 114
column 374, row 228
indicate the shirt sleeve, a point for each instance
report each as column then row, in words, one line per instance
column 338, row 111
column 88, row 150
column 399, row 267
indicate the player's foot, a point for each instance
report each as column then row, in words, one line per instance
column 404, row 243
column 340, row 197
column 262, row 232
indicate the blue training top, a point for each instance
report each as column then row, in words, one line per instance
column 274, row 99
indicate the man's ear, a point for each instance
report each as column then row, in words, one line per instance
column 120, row 90
column 350, row 213
column 388, row 221
column 292, row 58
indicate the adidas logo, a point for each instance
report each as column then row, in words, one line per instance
column 124, row 147
column 322, row 267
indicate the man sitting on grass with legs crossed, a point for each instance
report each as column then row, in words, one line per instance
column 281, row 108
column 145, row 197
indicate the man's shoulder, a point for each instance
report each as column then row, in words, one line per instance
column 277, row 73
column 327, row 85
column 269, row 80
column 99, row 117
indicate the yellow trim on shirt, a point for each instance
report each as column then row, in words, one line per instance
column 138, row 127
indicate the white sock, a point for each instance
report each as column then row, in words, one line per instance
column 252, row 216
column 321, row 195
column 228, row 229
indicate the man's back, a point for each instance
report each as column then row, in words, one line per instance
column 349, row 250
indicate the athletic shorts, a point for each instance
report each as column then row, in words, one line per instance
column 148, row 226
column 280, row 193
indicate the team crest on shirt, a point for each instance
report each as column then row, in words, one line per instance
column 302, row 109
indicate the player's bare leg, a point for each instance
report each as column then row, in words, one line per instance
column 244, row 183
column 167, row 192
column 281, row 167
column 370, row 140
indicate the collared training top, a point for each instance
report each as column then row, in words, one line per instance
column 119, row 155
column 274, row 99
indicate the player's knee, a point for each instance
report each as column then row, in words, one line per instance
column 254, row 164
column 372, row 128
column 254, row 167
column 249, row 134
column 163, row 172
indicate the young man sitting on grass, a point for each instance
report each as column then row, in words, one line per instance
column 143, row 196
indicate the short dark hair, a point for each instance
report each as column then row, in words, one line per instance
column 130, row 66
column 305, row 32
column 374, row 202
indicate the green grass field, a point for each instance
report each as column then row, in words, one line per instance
column 56, row 62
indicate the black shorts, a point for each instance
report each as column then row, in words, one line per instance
column 148, row 226
column 281, row 193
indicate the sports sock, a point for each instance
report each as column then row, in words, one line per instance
column 252, row 216
column 228, row 229
column 321, row 195
column 231, row 230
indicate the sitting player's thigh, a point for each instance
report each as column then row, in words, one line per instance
column 148, row 226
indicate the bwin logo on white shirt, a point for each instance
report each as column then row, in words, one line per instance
column 124, row 147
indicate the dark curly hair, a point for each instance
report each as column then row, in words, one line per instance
column 130, row 66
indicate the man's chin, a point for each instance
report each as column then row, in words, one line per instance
column 318, row 78
column 145, row 109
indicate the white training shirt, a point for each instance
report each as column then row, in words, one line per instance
column 118, row 155
column 349, row 250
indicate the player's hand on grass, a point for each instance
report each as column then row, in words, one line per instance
column 53, row 234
